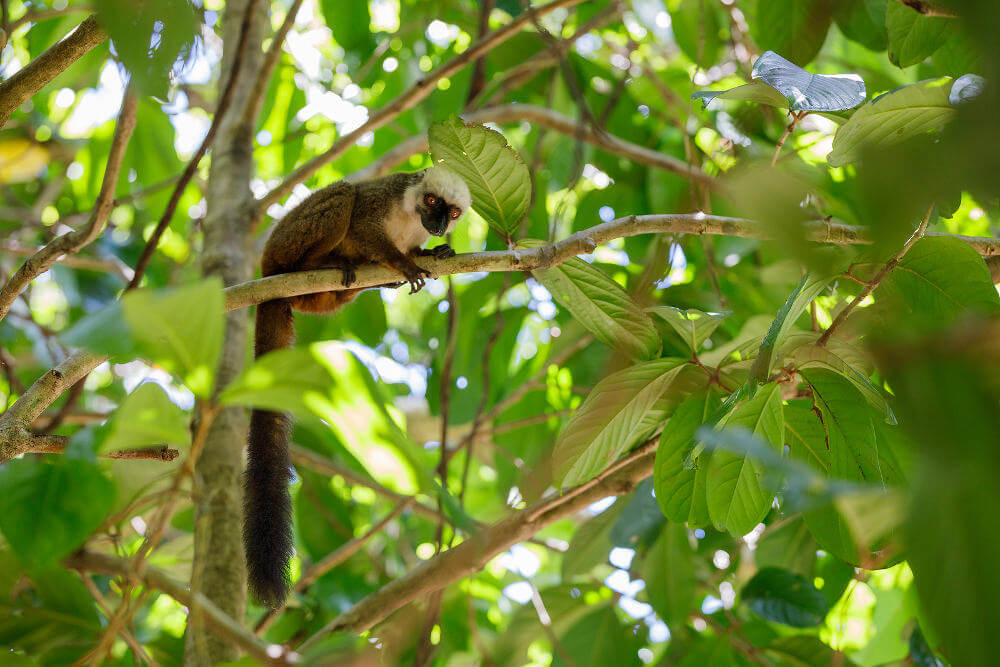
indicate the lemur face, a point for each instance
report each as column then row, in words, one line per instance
column 437, row 214
column 442, row 198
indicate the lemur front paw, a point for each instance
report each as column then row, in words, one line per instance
column 415, row 276
column 442, row 251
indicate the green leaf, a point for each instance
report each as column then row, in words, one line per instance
column 913, row 37
column 606, row 423
column 49, row 509
column 857, row 24
column 756, row 91
column 785, row 597
column 804, row 651
column 793, row 28
column 601, row 305
column 737, row 499
column 789, row 546
column 289, row 380
column 179, row 328
column 692, row 325
column 939, row 282
column 889, row 119
column 147, row 418
column 669, row 572
column 598, row 639
column 832, row 357
column 497, row 177
column 808, row 289
column 675, row 477
column 149, row 37
column 590, row 544
column 322, row 518
column 350, row 22
column 806, row 91
column 696, row 25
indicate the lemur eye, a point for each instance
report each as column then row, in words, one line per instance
column 430, row 200
column 454, row 212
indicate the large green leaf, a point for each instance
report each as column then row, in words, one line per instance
column 794, row 28
column 856, row 22
column 913, row 36
column 598, row 639
column 606, row 423
column 785, row 597
column 147, row 418
column 675, row 477
column 692, row 325
column 669, row 572
column 179, row 328
column 149, row 37
column 289, row 380
column 787, row 545
column 497, row 177
column 600, row 304
column 737, row 498
column 49, row 509
column 696, row 25
column 940, row 281
column 901, row 114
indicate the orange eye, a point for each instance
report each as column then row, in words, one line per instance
column 454, row 213
column 430, row 200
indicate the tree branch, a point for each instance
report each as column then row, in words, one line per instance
column 405, row 101
column 929, row 8
column 553, row 120
column 256, row 98
column 43, row 69
column 73, row 241
column 14, row 424
column 324, row 280
column 475, row 552
column 223, row 625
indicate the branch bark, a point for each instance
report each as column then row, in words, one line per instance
column 40, row 395
column 404, row 102
column 46, row 67
column 222, row 624
column 474, row 553
column 73, row 241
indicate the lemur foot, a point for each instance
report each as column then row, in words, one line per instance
column 441, row 252
column 415, row 276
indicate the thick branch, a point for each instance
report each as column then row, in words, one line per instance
column 473, row 554
column 223, row 625
column 307, row 282
column 407, row 100
column 73, row 241
column 43, row 69
column 553, row 120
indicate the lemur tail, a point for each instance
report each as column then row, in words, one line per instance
column 267, row 505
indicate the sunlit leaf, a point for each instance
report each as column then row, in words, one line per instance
column 497, row 177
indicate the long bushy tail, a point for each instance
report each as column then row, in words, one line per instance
column 267, row 505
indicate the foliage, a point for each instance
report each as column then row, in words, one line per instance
column 824, row 416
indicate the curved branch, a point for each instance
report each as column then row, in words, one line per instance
column 407, row 100
column 553, row 120
column 330, row 280
column 43, row 69
column 73, row 241
column 474, row 553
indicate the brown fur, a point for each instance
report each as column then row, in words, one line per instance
column 340, row 226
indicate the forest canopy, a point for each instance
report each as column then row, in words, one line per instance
column 712, row 380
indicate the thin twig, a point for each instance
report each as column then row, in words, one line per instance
column 796, row 117
column 256, row 98
column 877, row 280
column 405, row 101
column 20, row 86
column 192, row 166
column 72, row 242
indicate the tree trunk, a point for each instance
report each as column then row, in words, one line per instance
column 218, row 570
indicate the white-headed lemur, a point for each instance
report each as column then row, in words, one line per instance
column 384, row 221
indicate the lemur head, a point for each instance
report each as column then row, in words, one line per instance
column 442, row 197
